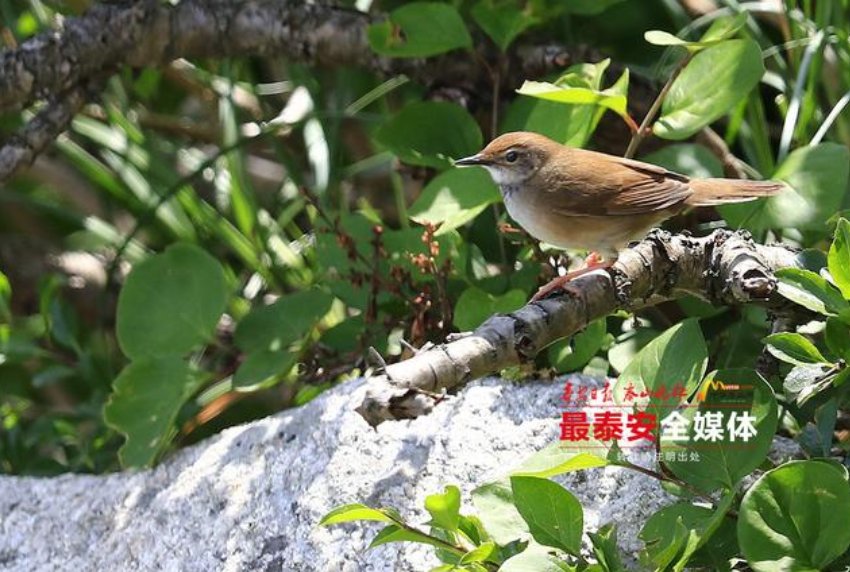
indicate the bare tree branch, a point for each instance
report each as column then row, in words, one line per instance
column 21, row 149
column 144, row 33
column 723, row 267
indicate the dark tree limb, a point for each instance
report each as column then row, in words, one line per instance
column 22, row 148
column 725, row 268
column 144, row 33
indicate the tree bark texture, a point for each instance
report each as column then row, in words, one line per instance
column 725, row 268
column 55, row 66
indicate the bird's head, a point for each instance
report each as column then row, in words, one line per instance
column 513, row 158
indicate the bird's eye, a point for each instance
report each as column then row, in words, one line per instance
column 511, row 156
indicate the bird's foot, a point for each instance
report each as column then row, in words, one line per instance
column 594, row 262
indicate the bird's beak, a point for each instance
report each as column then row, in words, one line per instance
column 472, row 160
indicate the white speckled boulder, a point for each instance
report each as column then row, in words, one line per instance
column 250, row 498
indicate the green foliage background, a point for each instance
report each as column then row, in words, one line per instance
column 215, row 241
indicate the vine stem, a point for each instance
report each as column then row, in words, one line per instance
column 638, row 135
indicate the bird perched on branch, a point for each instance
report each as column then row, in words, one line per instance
column 572, row 198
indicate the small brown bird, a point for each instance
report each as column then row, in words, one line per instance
column 572, row 198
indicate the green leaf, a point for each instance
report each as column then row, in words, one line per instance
column 811, row 291
column 675, row 533
column 170, row 303
column 553, row 515
column 741, row 407
column 817, row 180
column 574, row 353
column 535, row 558
column 352, row 512
column 419, row 30
column 570, row 124
column 719, row 31
column 494, row 504
column 147, row 395
column 605, row 548
column 574, row 95
column 627, row 345
column 797, row 515
column 725, row 28
column 662, row 38
column 559, row 458
column 687, row 158
column 839, row 257
column 395, row 533
column 503, row 20
column 261, row 365
column 475, row 305
column 444, row 508
column 837, row 337
column 454, row 198
column 277, row 325
column 678, row 357
column 793, row 348
column 431, row 134
column 712, row 83
column 479, row 554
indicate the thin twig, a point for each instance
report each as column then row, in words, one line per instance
column 656, row 105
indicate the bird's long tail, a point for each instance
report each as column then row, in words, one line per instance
column 708, row 192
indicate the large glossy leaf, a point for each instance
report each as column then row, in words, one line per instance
column 535, row 558
column 418, row 30
column 811, row 291
column 277, row 325
column 793, row 348
column 574, row 353
column 454, row 198
column 797, row 515
column 712, row 83
column 675, row 360
column 494, row 504
column 728, row 430
column 675, row 534
column 554, row 516
column 559, row 458
column 147, row 395
column 431, row 133
column 817, row 182
column 571, row 123
column 616, row 102
column 171, row 303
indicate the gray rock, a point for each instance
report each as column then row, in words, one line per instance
column 250, row 498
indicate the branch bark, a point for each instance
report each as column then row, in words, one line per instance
column 21, row 149
column 142, row 33
column 725, row 268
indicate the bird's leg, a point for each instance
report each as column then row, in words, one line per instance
column 591, row 263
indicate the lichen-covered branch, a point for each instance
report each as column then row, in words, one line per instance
column 143, row 33
column 725, row 268
column 22, row 148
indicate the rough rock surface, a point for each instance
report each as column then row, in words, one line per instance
column 250, row 498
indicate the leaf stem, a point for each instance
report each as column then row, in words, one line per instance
column 656, row 105
column 662, row 477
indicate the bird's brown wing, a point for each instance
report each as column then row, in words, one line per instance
column 608, row 185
